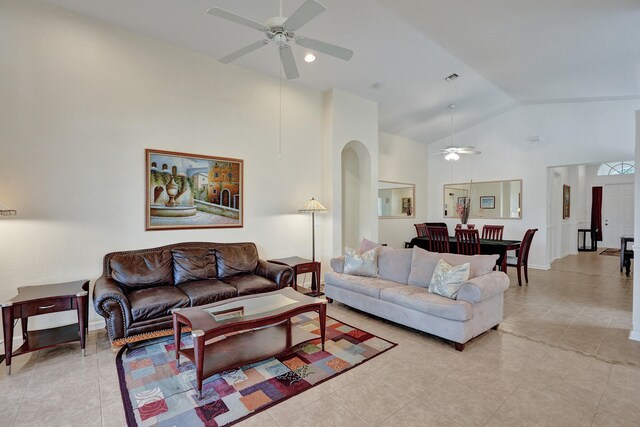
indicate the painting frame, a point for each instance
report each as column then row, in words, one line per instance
column 185, row 191
column 487, row 202
column 566, row 201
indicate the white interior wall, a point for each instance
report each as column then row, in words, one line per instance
column 349, row 119
column 569, row 133
column 635, row 329
column 81, row 100
column 403, row 160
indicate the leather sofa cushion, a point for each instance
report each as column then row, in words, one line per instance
column 142, row 270
column 369, row 286
column 236, row 259
column 191, row 264
column 419, row 299
column 207, row 291
column 248, row 284
column 155, row 302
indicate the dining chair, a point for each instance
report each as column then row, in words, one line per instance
column 438, row 239
column 468, row 241
column 521, row 261
column 492, row 232
column 421, row 229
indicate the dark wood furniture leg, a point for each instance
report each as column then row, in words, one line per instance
column 7, row 323
column 176, row 336
column 294, row 282
column 458, row 346
column 323, row 322
column 329, row 300
column 495, row 328
column 25, row 327
column 198, row 351
column 82, row 307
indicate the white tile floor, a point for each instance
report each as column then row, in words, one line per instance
column 561, row 357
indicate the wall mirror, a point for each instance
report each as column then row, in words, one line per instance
column 396, row 199
column 488, row 200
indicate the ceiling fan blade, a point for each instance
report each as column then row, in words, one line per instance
column 305, row 13
column 241, row 52
column 288, row 63
column 467, row 150
column 324, row 47
column 221, row 13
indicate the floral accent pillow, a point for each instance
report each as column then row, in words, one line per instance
column 361, row 264
column 447, row 279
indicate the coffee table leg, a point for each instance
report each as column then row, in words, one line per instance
column 176, row 337
column 198, row 350
column 288, row 333
column 323, row 322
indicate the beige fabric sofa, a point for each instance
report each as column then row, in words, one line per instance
column 400, row 293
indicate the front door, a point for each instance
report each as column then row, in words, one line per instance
column 617, row 213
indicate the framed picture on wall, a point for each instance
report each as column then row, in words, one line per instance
column 487, row 202
column 190, row 191
column 566, row 201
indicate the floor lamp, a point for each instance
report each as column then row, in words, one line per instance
column 313, row 207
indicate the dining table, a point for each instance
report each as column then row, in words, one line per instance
column 487, row 247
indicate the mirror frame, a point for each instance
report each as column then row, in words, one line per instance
column 407, row 184
column 444, row 198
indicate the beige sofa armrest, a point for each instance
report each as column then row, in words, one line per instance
column 483, row 287
column 337, row 264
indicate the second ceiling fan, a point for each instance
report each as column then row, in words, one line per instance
column 281, row 31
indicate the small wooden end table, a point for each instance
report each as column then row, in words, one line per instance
column 301, row 266
column 45, row 299
column 266, row 318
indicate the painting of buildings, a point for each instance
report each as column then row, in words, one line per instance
column 192, row 191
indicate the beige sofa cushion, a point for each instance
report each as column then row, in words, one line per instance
column 419, row 299
column 394, row 264
column 423, row 264
column 370, row 286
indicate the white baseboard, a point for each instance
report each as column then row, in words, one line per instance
column 634, row 335
column 540, row 266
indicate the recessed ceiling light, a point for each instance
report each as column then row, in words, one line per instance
column 452, row 77
column 309, row 57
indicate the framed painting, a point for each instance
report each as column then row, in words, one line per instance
column 487, row 202
column 566, row 201
column 190, row 191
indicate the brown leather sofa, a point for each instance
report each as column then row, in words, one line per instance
column 138, row 289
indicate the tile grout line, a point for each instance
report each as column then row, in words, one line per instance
column 35, row 364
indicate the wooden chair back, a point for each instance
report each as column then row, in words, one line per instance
column 469, row 226
column 421, row 230
column 438, row 239
column 523, row 255
column 468, row 241
column 493, row 232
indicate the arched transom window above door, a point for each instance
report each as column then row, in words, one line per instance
column 626, row 167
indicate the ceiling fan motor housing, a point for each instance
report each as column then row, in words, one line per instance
column 277, row 32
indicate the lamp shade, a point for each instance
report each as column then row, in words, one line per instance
column 313, row 206
column 5, row 211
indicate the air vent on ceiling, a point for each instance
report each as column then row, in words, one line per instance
column 452, row 77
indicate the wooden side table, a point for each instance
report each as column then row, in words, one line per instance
column 300, row 266
column 45, row 299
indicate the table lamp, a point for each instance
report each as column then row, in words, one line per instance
column 313, row 206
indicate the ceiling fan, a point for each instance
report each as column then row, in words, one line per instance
column 281, row 31
column 453, row 152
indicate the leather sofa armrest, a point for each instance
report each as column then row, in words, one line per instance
column 483, row 287
column 281, row 274
column 111, row 303
column 337, row 264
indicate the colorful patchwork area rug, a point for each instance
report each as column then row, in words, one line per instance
column 157, row 393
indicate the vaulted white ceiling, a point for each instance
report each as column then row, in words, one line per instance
column 506, row 52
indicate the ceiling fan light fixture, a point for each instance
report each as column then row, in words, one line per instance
column 309, row 57
column 452, row 156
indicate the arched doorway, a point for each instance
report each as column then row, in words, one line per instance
column 225, row 199
column 357, row 206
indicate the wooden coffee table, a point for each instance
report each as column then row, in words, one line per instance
column 266, row 318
